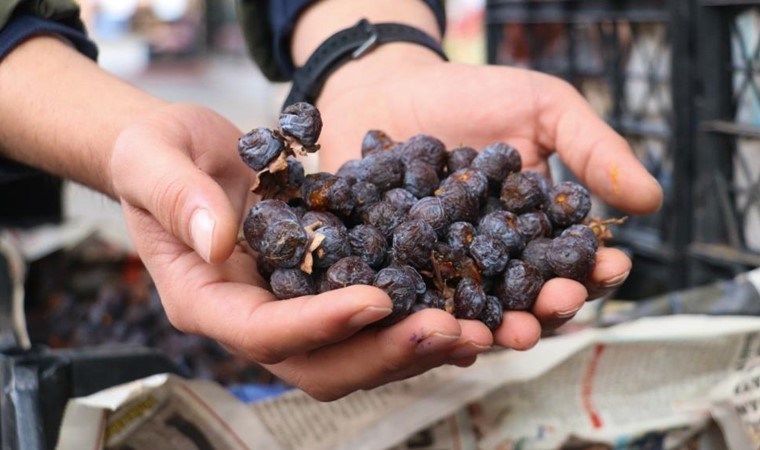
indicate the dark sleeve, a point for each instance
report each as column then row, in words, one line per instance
column 28, row 196
column 23, row 26
column 268, row 25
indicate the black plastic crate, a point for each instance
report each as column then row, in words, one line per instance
column 672, row 77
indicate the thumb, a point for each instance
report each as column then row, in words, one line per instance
column 201, row 209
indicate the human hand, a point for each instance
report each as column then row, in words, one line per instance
column 408, row 90
column 170, row 167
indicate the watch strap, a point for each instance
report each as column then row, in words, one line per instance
column 347, row 45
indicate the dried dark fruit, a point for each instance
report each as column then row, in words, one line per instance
column 376, row 141
column 419, row 283
column 325, row 192
column 535, row 253
column 430, row 299
column 492, row 314
column 461, row 158
column 350, row 170
column 291, row 283
column 519, row 286
column 401, row 288
column 420, row 178
column 383, row 216
column 316, row 219
column 497, row 161
column 400, row 198
column 369, row 244
column 430, row 209
column 571, row 257
column 303, row 122
column 474, row 180
column 466, row 232
column 533, row 225
column 272, row 229
column 259, row 147
column 459, row 204
column 490, row 254
column 460, row 235
column 365, row 194
column 425, row 148
column 584, row 233
column 492, row 204
column 383, row 169
column 521, row 193
column 334, row 246
column 568, row 204
column 503, row 225
column 449, row 262
column 348, row 271
column 541, row 180
column 469, row 299
column 282, row 185
column 413, row 243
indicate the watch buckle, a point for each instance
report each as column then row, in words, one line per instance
column 371, row 41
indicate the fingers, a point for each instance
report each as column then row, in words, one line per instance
column 378, row 356
column 519, row 330
column 599, row 156
column 611, row 271
column 558, row 301
column 187, row 174
column 275, row 330
column 561, row 298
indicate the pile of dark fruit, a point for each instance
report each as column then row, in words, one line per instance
column 464, row 231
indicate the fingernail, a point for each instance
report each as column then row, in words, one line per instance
column 615, row 281
column 435, row 343
column 469, row 349
column 368, row 315
column 201, row 232
column 566, row 314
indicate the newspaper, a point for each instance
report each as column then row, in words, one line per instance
column 161, row 412
column 652, row 383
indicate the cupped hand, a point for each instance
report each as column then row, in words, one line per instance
column 406, row 91
column 183, row 190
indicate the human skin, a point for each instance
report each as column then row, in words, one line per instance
column 183, row 189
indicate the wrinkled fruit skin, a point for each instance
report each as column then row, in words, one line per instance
column 568, row 204
column 273, row 230
column 259, row 147
column 469, row 299
column 348, row 271
column 401, row 288
column 413, row 243
column 571, row 257
column 291, row 283
column 466, row 232
column 491, row 315
column 519, row 286
column 303, row 122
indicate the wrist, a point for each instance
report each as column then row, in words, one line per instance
column 380, row 67
column 326, row 17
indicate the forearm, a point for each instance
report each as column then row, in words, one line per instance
column 62, row 113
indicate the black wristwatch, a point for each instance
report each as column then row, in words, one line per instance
column 346, row 45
